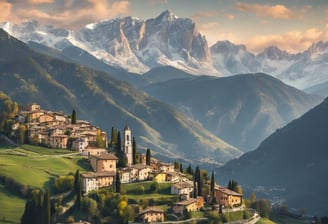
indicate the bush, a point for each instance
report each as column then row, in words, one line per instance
column 16, row 187
column 154, row 187
column 70, row 219
column 141, row 189
column 64, row 183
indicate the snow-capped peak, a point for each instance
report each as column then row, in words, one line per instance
column 139, row 45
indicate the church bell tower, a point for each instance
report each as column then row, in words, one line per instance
column 127, row 145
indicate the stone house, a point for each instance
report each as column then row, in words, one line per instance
column 94, row 181
column 166, row 167
column 182, row 188
column 190, row 205
column 151, row 214
column 103, row 162
column 227, row 198
column 140, row 172
column 58, row 141
column 125, row 175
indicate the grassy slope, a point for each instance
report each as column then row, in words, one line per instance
column 33, row 166
column 12, row 207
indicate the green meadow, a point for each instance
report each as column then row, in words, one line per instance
column 36, row 167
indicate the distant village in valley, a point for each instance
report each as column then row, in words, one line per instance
column 60, row 131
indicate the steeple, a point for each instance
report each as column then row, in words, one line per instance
column 127, row 144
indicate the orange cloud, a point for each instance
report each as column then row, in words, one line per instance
column 5, row 10
column 272, row 11
column 71, row 15
column 37, row 2
column 204, row 14
column 229, row 16
column 293, row 41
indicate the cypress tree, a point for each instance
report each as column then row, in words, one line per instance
column 212, row 187
column 118, row 183
column 113, row 138
column 119, row 144
column 148, row 155
column 77, row 189
column 199, row 181
column 46, row 215
column 73, row 118
column 195, row 192
column 134, row 151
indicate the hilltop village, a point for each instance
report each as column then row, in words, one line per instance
column 57, row 130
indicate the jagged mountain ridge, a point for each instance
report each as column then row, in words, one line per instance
column 27, row 76
column 291, row 163
column 167, row 40
column 133, row 44
column 241, row 109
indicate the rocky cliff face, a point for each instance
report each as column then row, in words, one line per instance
column 140, row 45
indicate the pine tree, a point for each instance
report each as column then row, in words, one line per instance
column 73, row 118
column 148, row 155
column 181, row 169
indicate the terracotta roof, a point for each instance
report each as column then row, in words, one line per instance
column 181, row 185
column 151, row 209
column 106, row 156
column 186, row 202
column 227, row 191
column 100, row 174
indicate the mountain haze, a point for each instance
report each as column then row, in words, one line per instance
column 241, row 109
column 27, row 76
column 293, row 159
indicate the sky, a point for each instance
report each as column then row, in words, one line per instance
column 291, row 25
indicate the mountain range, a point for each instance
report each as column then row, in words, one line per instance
column 241, row 109
column 290, row 163
column 27, row 76
column 138, row 46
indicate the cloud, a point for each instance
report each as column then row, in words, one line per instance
column 71, row 14
column 5, row 10
column 37, row 2
column 229, row 16
column 204, row 14
column 158, row 1
column 213, row 33
column 272, row 11
column 292, row 41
